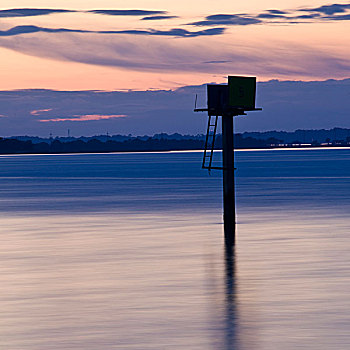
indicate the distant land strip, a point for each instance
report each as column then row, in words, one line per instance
column 337, row 137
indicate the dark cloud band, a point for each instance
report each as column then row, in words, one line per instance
column 334, row 12
column 128, row 12
column 156, row 18
column 329, row 9
column 277, row 12
column 227, row 19
column 30, row 12
column 175, row 32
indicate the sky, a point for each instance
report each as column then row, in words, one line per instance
column 164, row 45
column 287, row 105
column 113, row 45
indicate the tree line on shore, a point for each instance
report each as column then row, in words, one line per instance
column 14, row 146
column 160, row 142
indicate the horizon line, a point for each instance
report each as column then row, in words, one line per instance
column 175, row 133
column 272, row 80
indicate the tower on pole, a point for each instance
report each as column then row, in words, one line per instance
column 227, row 101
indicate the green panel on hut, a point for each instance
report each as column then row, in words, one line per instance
column 242, row 92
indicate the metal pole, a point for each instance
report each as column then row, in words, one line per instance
column 228, row 180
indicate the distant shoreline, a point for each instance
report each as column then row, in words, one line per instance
column 180, row 151
column 300, row 139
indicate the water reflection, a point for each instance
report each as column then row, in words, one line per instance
column 240, row 313
column 116, row 253
column 231, row 317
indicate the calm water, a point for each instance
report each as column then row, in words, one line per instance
column 125, row 251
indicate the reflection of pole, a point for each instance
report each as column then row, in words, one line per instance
column 228, row 180
column 231, row 338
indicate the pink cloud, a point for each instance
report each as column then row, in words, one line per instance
column 84, row 118
column 39, row 111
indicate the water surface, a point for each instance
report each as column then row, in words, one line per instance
column 125, row 251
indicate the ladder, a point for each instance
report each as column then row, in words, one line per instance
column 210, row 143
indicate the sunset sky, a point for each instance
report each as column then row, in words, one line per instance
column 141, row 63
column 115, row 45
